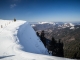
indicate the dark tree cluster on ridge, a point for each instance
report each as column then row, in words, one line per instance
column 55, row 48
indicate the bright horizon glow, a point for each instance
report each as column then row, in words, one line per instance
column 40, row 10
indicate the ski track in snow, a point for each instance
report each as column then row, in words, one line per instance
column 12, row 39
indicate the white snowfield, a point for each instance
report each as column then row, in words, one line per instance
column 18, row 41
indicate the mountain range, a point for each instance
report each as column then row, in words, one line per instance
column 69, row 33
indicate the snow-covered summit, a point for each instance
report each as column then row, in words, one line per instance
column 18, row 41
column 65, row 25
column 71, row 24
column 45, row 22
column 68, row 24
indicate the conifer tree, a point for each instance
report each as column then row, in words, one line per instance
column 43, row 38
column 14, row 20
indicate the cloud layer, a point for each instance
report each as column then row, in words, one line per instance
column 15, row 3
column 12, row 5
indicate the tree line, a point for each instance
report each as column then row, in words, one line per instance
column 55, row 48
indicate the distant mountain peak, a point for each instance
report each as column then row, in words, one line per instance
column 46, row 22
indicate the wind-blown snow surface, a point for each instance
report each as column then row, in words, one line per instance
column 29, row 40
column 18, row 41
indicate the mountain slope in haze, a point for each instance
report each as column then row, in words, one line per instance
column 69, row 33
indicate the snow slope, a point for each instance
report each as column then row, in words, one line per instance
column 18, row 41
column 29, row 40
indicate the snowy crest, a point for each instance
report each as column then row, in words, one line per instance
column 18, row 41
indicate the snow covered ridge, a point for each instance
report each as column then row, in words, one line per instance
column 29, row 40
column 65, row 25
column 45, row 22
column 18, row 41
column 46, row 25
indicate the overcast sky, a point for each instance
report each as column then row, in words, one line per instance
column 40, row 10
